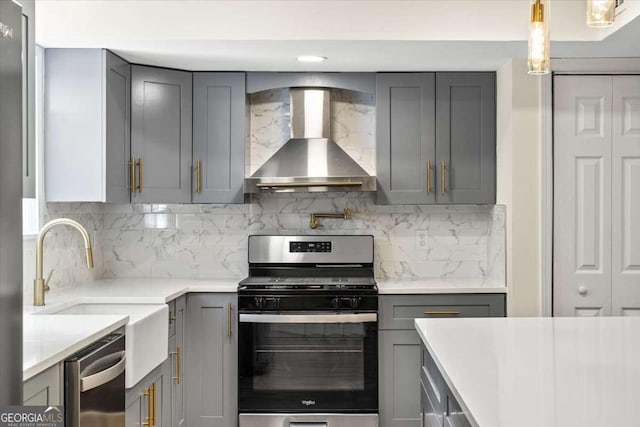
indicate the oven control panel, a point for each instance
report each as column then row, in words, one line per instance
column 295, row 247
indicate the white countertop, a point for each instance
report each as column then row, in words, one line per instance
column 52, row 338
column 532, row 372
column 437, row 286
column 49, row 339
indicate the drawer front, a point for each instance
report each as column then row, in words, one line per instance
column 431, row 416
column 400, row 311
column 432, row 381
column 454, row 416
column 172, row 318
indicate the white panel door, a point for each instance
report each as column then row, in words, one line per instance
column 626, row 196
column 582, row 196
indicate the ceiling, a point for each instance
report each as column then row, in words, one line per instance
column 359, row 35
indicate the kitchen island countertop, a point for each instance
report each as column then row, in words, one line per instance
column 532, row 372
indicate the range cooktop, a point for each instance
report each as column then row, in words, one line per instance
column 308, row 283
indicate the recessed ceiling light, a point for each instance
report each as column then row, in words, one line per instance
column 311, row 58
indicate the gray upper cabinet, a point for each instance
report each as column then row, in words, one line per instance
column 219, row 110
column 466, row 138
column 87, row 118
column 118, row 128
column 436, row 138
column 29, row 98
column 359, row 82
column 161, row 126
column 210, row 367
column 405, row 132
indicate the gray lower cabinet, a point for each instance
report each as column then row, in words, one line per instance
column 210, row 365
column 87, row 117
column 45, row 389
column 438, row 405
column 399, row 406
column 219, row 116
column 161, row 127
column 466, row 138
column 401, row 354
column 176, row 356
column 147, row 403
column 436, row 138
column 405, row 134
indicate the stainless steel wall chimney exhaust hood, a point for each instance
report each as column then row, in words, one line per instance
column 310, row 161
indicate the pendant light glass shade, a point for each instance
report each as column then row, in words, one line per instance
column 601, row 13
column 539, row 44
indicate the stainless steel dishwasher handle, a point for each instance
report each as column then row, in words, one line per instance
column 307, row 424
column 99, row 378
column 308, row 318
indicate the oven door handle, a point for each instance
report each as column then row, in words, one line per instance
column 309, row 318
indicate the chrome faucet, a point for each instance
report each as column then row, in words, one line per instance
column 39, row 284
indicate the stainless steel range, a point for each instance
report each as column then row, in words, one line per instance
column 308, row 338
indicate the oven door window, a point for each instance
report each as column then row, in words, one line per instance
column 308, row 366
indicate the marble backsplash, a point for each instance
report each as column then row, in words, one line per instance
column 210, row 241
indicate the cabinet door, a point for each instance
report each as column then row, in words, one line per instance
column 211, row 360
column 176, row 349
column 44, row 389
column 117, row 128
column 399, row 382
column 405, row 135
column 466, row 138
column 625, row 196
column 133, row 413
column 161, row 134
column 218, row 137
column 582, row 196
column 144, row 402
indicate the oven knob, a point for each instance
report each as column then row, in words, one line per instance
column 335, row 303
column 259, row 302
column 355, row 302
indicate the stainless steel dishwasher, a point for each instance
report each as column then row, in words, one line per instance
column 94, row 384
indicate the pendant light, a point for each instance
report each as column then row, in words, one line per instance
column 539, row 45
column 601, row 13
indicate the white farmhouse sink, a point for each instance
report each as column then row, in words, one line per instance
column 146, row 341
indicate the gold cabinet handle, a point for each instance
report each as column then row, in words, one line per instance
column 178, row 354
column 441, row 313
column 198, row 176
column 139, row 163
column 443, row 179
column 132, row 175
column 230, row 320
column 153, row 403
column 149, row 420
column 428, row 176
